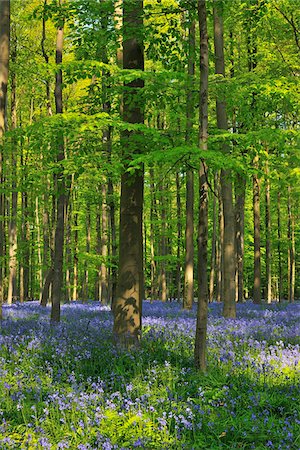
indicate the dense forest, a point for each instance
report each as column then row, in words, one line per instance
column 149, row 158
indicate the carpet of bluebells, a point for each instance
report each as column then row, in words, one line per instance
column 69, row 387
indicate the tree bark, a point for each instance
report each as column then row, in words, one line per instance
column 127, row 307
column 104, row 248
column 280, row 280
column 240, row 192
column 291, row 249
column 179, row 234
column 61, row 196
column 229, row 304
column 12, row 279
column 213, row 244
column 4, row 62
column 189, row 227
column 256, row 221
column 268, row 238
column 202, row 309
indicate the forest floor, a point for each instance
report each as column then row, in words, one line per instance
column 68, row 387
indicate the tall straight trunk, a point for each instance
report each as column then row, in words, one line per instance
column 163, row 244
column 179, row 234
column 280, row 280
column 75, row 258
column 291, row 249
column 12, row 279
column 229, row 304
column 188, row 296
column 4, row 61
column 213, row 244
column 220, row 245
column 256, row 221
column 240, row 192
column 127, row 307
column 268, row 238
column 85, row 284
column 68, row 250
column 46, row 58
column 39, row 246
column 60, row 183
column 202, row 309
column 104, row 248
column 153, row 217
column 112, row 239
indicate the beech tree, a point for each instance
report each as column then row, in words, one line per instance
column 127, row 306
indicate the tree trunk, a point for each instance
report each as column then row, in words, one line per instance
column 188, row 296
column 75, row 258
column 240, row 192
column 104, row 248
column 280, row 280
column 85, row 284
column 220, row 245
column 39, row 245
column 12, row 279
column 256, row 220
column 163, row 244
column 291, row 249
column 4, row 60
column 127, row 307
column 202, row 310
column 213, row 244
column 153, row 216
column 61, row 197
column 179, row 234
column 268, row 239
column 229, row 304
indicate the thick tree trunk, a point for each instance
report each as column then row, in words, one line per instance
column 268, row 239
column 189, row 227
column 127, row 307
column 61, row 196
column 256, row 221
column 229, row 304
column 202, row 310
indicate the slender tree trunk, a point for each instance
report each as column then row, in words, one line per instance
column 85, row 284
column 291, row 249
column 46, row 58
column 163, row 244
column 188, row 296
column 268, row 238
column 61, row 197
column 12, row 279
column 280, row 280
column 179, row 234
column 75, row 258
column 202, row 310
column 213, row 244
column 256, row 220
column 229, row 305
column 220, row 245
column 39, row 245
column 127, row 307
column 239, row 233
column 4, row 60
column 153, row 216
column 104, row 248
